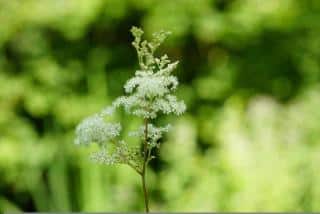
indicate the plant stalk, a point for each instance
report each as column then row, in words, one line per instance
column 145, row 192
column 144, row 168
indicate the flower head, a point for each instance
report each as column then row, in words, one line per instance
column 149, row 92
column 95, row 130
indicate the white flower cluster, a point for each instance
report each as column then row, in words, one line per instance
column 121, row 155
column 154, row 133
column 148, row 93
column 149, row 90
column 95, row 130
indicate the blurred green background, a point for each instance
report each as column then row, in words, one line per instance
column 249, row 73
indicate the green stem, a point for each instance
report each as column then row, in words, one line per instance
column 145, row 192
column 144, row 168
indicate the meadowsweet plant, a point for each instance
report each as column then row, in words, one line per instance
column 148, row 94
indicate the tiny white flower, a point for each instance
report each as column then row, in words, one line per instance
column 107, row 111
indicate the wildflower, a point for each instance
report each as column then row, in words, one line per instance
column 148, row 94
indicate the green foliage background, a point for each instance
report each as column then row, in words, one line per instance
column 249, row 73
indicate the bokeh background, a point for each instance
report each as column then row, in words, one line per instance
column 249, row 73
